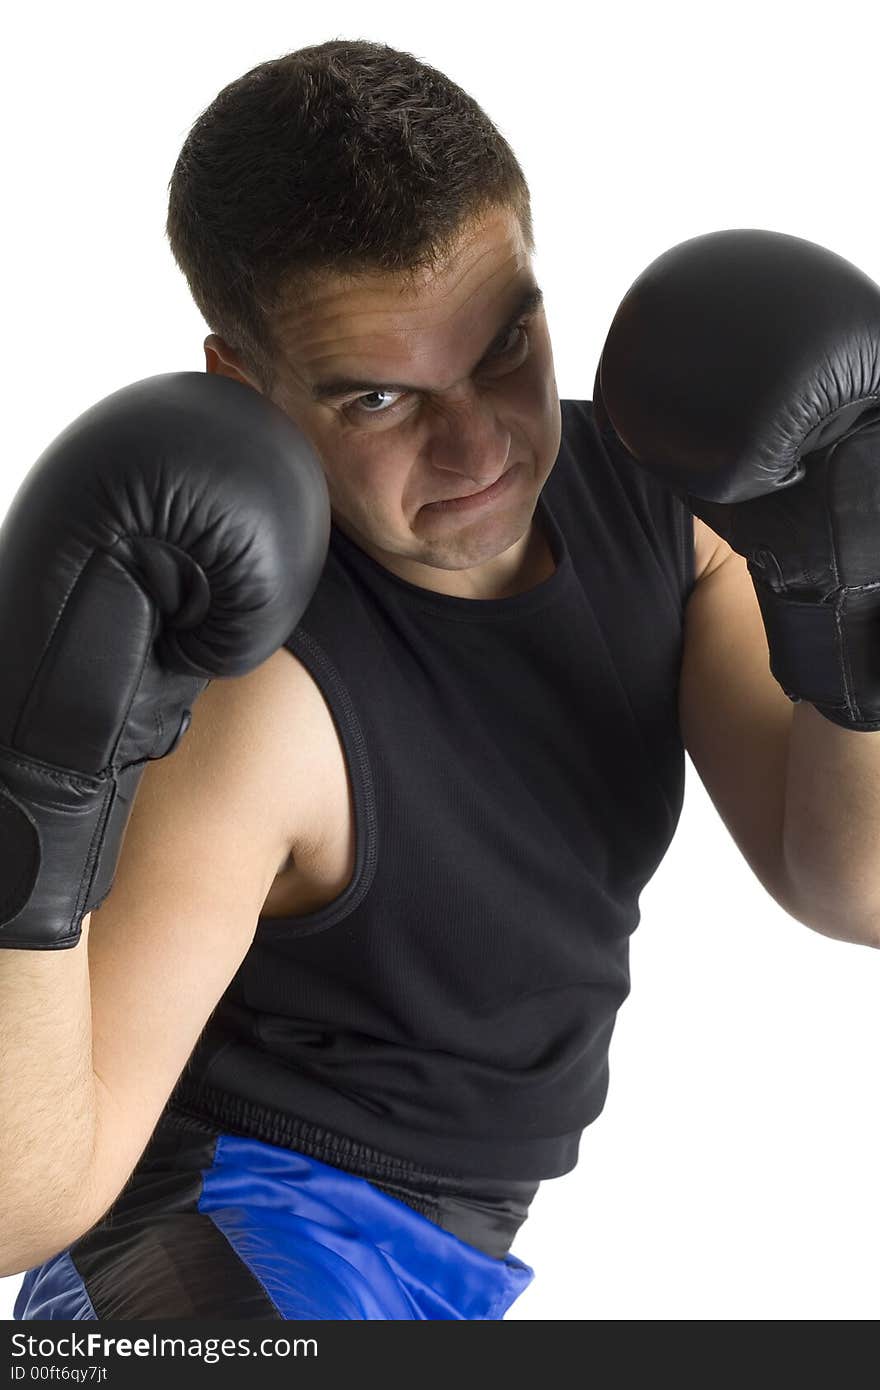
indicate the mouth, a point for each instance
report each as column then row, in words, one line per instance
column 474, row 499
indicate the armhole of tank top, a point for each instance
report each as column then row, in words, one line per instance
column 360, row 777
column 685, row 527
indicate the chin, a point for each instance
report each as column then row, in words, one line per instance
column 469, row 549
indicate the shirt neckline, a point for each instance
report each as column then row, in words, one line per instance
column 474, row 609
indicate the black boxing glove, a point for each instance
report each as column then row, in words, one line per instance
column 742, row 369
column 174, row 532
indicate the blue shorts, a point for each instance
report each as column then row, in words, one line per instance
column 216, row 1225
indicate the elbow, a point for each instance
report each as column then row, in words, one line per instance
column 26, row 1242
column 849, row 929
column 823, row 909
column 19, row 1255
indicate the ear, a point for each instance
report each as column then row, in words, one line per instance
column 222, row 360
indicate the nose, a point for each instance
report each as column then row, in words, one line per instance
column 469, row 440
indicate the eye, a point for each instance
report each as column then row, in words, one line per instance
column 517, row 328
column 356, row 407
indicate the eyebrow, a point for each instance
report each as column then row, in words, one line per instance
column 337, row 386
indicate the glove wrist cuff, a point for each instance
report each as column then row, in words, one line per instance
column 828, row 651
column 60, row 837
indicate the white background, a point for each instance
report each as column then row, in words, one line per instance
column 733, row 1172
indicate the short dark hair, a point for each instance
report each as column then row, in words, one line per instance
column 346, row 157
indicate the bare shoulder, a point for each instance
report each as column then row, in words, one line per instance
column 709, row 548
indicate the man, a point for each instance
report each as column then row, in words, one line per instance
column 361, row 961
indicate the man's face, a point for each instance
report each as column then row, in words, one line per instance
column 415, row 395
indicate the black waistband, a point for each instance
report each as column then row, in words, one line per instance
column 481, row 1213
column 484, row 1212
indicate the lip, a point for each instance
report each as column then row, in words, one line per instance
column 473, row 499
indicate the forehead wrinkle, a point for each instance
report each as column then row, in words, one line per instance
column 340, row 384
column 339, row 343
column 344, row 383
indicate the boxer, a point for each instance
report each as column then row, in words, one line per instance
column 354, row 986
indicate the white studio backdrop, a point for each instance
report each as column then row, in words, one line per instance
column 732, row 1174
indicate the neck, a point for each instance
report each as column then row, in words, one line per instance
column 524, row 565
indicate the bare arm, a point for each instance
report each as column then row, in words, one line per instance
column 47, row 1096
column 95, row 1038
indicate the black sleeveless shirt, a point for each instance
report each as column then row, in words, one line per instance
column 517, row 775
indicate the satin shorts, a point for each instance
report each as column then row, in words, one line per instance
column 216, row 1225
